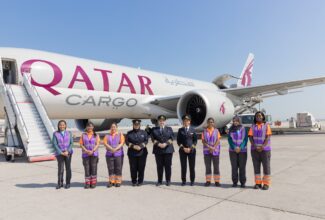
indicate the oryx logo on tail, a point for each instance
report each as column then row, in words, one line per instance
column 246, row 75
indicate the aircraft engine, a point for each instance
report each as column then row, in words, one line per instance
column 99, row 124
column 203, row 104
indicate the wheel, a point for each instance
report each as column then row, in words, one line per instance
column 7, row 157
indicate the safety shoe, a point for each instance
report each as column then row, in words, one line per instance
column 258, row 186
column 265, row 187
column 217, row 184
column 207, row 183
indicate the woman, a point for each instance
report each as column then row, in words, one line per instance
column 62, row 142
column 237, row 140
column 187, row 140
column 259, row 136
column 137, row 140
column 163, row 149
column 114, row 142
column 211, row 151
column 89, row 142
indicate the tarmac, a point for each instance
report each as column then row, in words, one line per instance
column 27, row 190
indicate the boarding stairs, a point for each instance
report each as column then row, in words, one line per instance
column 28, row 128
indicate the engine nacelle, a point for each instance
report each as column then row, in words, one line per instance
column 99, row 124
column 203, row 104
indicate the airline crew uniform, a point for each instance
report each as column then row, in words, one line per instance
column 163, row 135
column 62, row 142
column 137, row 159
column 89, row 140
column 114, row 160
column 211, row 137
column 237, row 137
column 187, row 138
column 259, row 132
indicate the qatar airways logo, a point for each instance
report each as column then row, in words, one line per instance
column 222, row 108
column 81, row 76
column 247, row 76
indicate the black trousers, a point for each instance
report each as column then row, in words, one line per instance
column 261, row 158
column 208, row 159
column 137, row 167
column 90, row 165
column 191, row 160
column 114, row 167
column 238, row 162
column 164, row 161
column 62, row 160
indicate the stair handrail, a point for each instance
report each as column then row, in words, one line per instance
column 32, row 91
column 18, row 112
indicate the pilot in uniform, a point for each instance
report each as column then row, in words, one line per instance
column 187, row 140
column 136, row 140
column 162, row 138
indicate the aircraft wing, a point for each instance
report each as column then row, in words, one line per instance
column 168, row 103
column 277, row 88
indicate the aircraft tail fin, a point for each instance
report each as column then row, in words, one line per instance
column 245, row 79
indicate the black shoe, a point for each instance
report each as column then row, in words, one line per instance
column 242, row 186
column 207, row 184
column 217, row 184
column 168, row 183
column 183, row 183
column 58, row 186
column 258, row 186
column 139, row 184
column 234, row 185
column 93, row 186
column 87, row 186
column 134, row 184
column 67, row 186
column 158, row 183
column 192, row 183
column 109, row 185
column 117, row 184
column 265, row 187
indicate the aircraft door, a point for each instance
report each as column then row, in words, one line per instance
column 9, row 71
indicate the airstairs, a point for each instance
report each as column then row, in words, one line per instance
column 27, row 127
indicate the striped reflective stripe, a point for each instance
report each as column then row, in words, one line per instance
column 208, row 178
column 216, row 178
column 93, row 180
column 258, row 179
column 87, row 180
column 267, row 180
column 118, row 179
column 111, row 179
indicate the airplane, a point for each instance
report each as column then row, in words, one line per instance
column 37, row 86
column 87, row 90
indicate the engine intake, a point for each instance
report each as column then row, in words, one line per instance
column 203, row 104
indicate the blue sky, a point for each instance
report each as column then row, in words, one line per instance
column 197, row 39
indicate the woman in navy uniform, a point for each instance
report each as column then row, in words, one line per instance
column 187, row 140
column 162, row 138
column 136, row 140
column 62, row 142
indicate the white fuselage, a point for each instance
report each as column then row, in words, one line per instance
column 76, row 88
